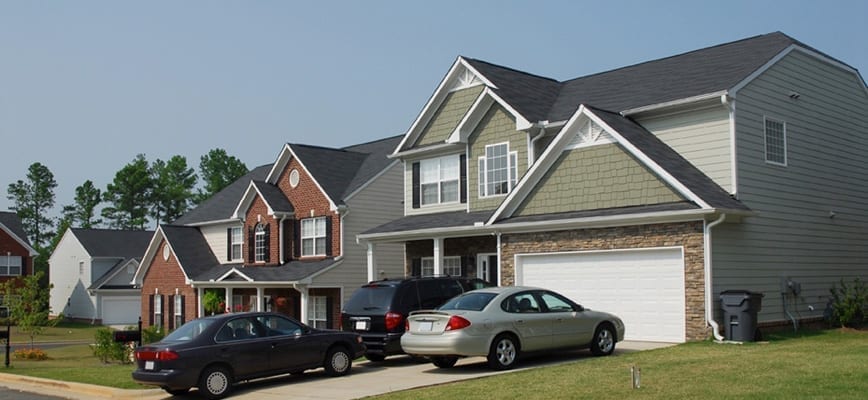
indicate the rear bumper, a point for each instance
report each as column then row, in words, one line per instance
column 166, row 379
column 384, row 345
column 447, row 344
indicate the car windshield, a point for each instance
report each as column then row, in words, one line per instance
column 189, row 331
column 370, row 298
column 468, row 301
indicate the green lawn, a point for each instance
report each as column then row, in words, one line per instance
column 65, row 331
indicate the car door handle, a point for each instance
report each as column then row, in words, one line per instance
column 519, row 321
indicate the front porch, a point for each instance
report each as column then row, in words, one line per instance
column 466, row 256
column 313, row 306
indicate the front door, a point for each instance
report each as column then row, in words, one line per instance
column 486, row 267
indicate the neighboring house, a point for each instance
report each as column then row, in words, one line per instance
column 91, row 270
column 281, row 238
column 649, row 189
column 16, row 253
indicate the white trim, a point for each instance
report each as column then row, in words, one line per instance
column 471, row 118
column 302, row 237
column 286, row 155
column 733, row 145
column 32, row 252
column 440, row 148
column 234, row 271
column 766, row 120
column 511, row 172
column 678, row 102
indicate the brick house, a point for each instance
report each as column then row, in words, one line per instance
column 281, row 238
column 16, row 253
column 647, row 190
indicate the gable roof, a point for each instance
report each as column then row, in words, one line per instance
column 221, row 205
column 117, row 268
column 113, row 243
column 10, row 223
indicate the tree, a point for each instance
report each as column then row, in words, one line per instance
column 218, row 170
column 82, row 212
column 173, row 189
column 32, row 199
column 27, row 302
column 129, row 196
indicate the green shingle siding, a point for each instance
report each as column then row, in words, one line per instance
column 447, row 117
column 593, row 178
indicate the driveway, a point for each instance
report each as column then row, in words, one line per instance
column 366, row 379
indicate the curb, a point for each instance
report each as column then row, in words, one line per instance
column 74, row 390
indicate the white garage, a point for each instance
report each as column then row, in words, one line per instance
column 645, row 287
column 120, row 310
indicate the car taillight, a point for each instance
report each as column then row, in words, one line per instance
column 393, row 320
column 455, row 323
column 159, row 355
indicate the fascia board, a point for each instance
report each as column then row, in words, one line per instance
column 521, row 123
column 283, row 158
column 234, row 271
column 425, row 233
column 150, row 253
column 472, row 118
column 680, row 102
column 123, row 267
column 30, row 250
column 247, row 199
column 604, row 221
column 442, row 148
column 332, row 205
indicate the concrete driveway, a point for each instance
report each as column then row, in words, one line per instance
column 366, row 379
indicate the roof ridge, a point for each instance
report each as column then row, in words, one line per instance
column 372, row 141
column 511, row 69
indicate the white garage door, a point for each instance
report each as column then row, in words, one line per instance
column 643, row 287
column 121, row 310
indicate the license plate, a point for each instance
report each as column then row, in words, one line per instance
column 361, row 325
column 149, row 365
column 426, row 326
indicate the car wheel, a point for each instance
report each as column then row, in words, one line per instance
column 338, row 361
column 603, row 342
column 375, row 357
column 215, row 382
column 176, row 392
column 504, row 352
column 444, row 361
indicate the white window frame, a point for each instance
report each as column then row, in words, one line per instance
column 176, row 312
column 259, row 243
column 487, row 188
column 236, row 240
column 317, row 311
column 6, row 265
column 313, row 238
column 447, row 267
column 437, row 174
column 769, row 148
column 158, row 311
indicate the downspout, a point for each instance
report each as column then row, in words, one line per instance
column 498, row 260
column 531, row 152
column 709, row 314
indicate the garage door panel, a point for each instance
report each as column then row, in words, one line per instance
column 643, row 287
column 120, row 310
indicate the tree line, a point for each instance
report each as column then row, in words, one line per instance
column 141, row 191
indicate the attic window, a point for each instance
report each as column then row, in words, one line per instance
column 776, row 141
column 293, row 178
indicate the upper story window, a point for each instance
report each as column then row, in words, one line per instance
column 776, row 141
column 313, row 237
column 259, row 243
column 439, row 180
column 10, row 265
column 234, row 240
column 497, row 170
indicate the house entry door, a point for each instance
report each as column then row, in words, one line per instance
column 486, row 267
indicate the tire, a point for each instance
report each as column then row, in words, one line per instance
column 338, row 361
column 176, row 392
column 444, row 361
column 375, row 357
column 215, row 382
column 503, row 353
column 603, row 343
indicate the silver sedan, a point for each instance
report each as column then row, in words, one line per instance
column 500, row 323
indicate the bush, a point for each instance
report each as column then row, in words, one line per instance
column 848, row 304
column 152, row 334
column 30, row 354
column 106, row 349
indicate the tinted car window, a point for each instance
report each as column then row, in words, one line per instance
column 471, row 301
column 431, row 293
column 450, row 289
column 277, row 326
column 189, row 331
column 370, row 298
column 556, row 303
column 239, row 329
column 521, row 303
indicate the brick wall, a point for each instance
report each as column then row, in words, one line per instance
column 308, row 201
column 165, row 277
column 10, row 246
column 688, row 235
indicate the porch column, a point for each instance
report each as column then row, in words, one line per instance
column 305, row 298
column 438, row 256
column 372, row 262
column 260, row 292
column 229, row 304
column 200, row 308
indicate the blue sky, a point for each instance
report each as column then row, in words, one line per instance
column 87, row 85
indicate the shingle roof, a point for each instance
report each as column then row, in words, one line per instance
column 11, row 221
column 333, row 169
column 531, row 95
column 221, row 205
column 274, row 197
column 452, row 219
column 192, row 251
column 100, row 283
column 113, row 243
column 376, row 161
column 292, row 271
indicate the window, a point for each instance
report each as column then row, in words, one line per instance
column 313, row 237
column 427, row 267
column 158, row 311
column 235, row 243
column 497, row 170
column 776, row 141
column 179, row 310
column 259, row 243
column 439, row 180
column 81, row 267
column 10, row 265
column 451, row 266
column 317, row 312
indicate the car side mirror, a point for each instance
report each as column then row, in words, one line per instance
column 578, row 308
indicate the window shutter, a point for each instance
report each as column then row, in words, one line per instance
column 330, row 315
column 268, row 243
column 296, row 244
column 162, row 309
column 183, row 309
column 416, row 185
column 288, row 239
column 328, row 237
column 228, row 244
column 151, row 310
column 251, row 245
column 416, row 267
column 172, row 313
column 462, row 161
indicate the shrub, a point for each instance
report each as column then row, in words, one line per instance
column 152, row 334
column 30, row 354
column 106, row 349
column 848, row 304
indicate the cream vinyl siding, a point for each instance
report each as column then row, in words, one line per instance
column 702, row 137
column 792, row 234
column 215, row 235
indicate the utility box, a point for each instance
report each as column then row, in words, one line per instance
column 740, row 308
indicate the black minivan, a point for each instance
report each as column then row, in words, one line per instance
column 377, row 310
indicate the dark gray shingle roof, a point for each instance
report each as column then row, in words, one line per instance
column 290, row 272
column 191, row 249
column 221, row 205
column 274, row 197
column 452, row 219
column 114, row 243
column 11, row 221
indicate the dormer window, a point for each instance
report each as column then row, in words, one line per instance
column 497, row 170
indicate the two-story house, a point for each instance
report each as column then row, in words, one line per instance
column 282, row 238
column 91, row 271
column 647, row 190
column 16, row 253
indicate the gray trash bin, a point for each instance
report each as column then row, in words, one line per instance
column 739, row 314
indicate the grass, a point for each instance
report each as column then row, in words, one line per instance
column 63, row 332
column 818, row 364
column 822, row 365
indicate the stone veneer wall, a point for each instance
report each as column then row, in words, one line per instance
column 687, row 235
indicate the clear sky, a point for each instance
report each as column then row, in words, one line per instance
column 87, row 85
